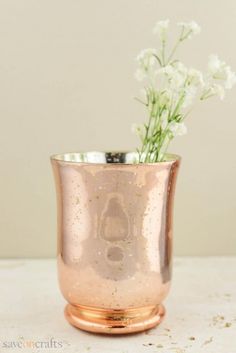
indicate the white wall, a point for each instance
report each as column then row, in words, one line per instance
column 66, row 84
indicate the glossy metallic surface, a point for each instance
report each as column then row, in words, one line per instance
column 114, row 239
column 114, row 321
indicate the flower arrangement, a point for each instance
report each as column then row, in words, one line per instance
column 170, row 88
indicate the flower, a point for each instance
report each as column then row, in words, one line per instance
column 177, row 129
column 161, row 28
column 216, row 90
column 195, row 77
column 215, row 64
column 182, row 79
column 176, row 75
column 220, row 71
column 230, row 78
column 146, row 61
column 189, row 95
column 170, row 87
column 168, row 70
column 147, row 58
column 189, row 28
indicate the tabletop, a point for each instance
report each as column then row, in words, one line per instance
column 201, row 312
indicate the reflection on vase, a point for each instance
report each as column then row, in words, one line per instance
column 115, row 233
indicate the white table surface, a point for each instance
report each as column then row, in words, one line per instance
column 201, row 311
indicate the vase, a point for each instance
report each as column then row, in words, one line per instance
column 114, row 239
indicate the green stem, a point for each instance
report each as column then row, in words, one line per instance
column 144, row 145
column 163, row 52
column 180, row 39
column 158, row 59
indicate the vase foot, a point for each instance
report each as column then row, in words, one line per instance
column 114, row 321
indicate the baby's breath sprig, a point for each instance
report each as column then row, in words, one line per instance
column 170, row 88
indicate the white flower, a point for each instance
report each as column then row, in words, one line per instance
column 218, row 90
column 146, row 61
column 180, row 67
column 194, row 27
column 147, row 58
column 213, row 89
column 190, row 28
column 171, row 88
column 190, row 94
column 220, row 71
column 195, row 77
column 176, row 75
column 168, row 70
column 180, row 77
column 161, row 28
column 230, row 78
column 215, row 64
column 177, row 81
column 177, row 129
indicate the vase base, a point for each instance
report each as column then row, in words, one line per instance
column 114, row 321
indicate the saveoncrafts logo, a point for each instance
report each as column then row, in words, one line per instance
column 22, row 343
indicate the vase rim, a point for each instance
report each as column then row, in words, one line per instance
column 108, row 158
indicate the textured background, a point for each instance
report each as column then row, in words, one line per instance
column 66, row 84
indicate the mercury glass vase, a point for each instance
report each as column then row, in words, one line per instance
column 114, row 239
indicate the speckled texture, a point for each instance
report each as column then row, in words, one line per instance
column 114, row 235
column 201, row 311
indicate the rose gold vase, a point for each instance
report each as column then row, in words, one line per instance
column 114, row 239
